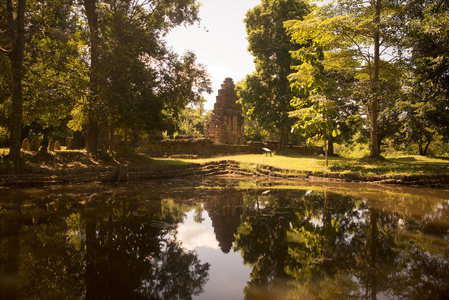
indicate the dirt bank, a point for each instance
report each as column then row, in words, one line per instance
column 28, row 176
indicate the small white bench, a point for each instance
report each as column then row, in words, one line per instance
column 267, row 151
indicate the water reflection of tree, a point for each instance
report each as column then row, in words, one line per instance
column 261, row 239
column 108, row 249
column 336, row 262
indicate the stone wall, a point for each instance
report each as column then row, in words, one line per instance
column 206, row 148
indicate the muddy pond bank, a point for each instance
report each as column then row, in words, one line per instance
column 27, row 176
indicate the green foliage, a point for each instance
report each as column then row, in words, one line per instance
column 144, row 86
column 191, row 121
column 266, row 93
column 54, row 80
column 427, row 40
column 347, row 31
column 317, row 120
column 132, row 80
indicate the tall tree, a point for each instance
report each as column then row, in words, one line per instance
column 360, row 30
column 323, row 84
column 90, row 7
column 428, row 41
column 55, row 73
column 16, row 30
column 267, row 90
column 317, row 116
column 128, row 82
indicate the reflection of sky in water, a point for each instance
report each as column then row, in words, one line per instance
column 195, row 235
column 227, row 275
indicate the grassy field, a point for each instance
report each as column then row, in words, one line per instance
column 364, row 167
column 412, row 165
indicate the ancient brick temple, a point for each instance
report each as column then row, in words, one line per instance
column 225, row 125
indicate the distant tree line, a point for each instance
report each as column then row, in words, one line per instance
column 95, row 66
column 349, row 69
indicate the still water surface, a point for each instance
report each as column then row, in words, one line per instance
column 222, row 238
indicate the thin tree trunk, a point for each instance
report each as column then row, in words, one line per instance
column 126, row 139
column 427, row 147
column 330, row 147
column 44, row 148
column 17, row 36
column 111, row 137
column 325, row 150
column 374, row 146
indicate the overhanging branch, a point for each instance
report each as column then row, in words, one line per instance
column 5, row 50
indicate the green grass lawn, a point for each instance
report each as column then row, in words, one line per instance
column 413, row 165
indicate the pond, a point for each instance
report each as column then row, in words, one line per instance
column 224, row 238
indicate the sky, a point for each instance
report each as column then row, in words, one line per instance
column 219, row 42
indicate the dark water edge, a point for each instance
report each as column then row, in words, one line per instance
column 229, row 237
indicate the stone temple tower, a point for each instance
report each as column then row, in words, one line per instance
column 225, row 125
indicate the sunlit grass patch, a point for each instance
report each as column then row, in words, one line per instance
column 413, row 165
column 405, row 165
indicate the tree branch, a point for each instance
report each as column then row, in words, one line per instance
column 5, row 50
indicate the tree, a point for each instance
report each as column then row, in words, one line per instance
column 182, row 82
column 55, row 74
column 427, row 40
column 316, row 113
column 191, row 121
column 267, row 90
column 90, row 7
column 15, row 49
column 356, row 30
column 138, row 81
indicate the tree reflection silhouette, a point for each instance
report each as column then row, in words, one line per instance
column 262, row 240
column 117, row 249
column 330, row 246
column 360, row 253
column 299, row 244
column 142, row 258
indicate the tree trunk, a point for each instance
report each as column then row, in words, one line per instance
column 281, row 139
column 282, row 126
column 374, row 146
column 379, row 142
column 92, row 126
column 422, row 148
column 330, row 147
column 111, row 138
column 325, row 150
column 17, row 36
column 44, row 148
column 92, row 134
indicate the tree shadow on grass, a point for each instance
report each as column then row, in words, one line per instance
column 403, row 165
column 79, row 158
column 442, row 157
